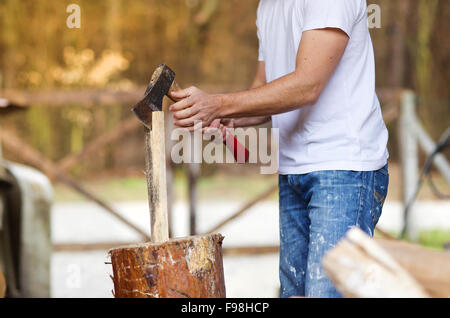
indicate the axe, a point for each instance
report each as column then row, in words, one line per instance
column 162, row 84
column 149, row 111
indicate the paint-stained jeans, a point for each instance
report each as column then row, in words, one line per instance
column 316, row 211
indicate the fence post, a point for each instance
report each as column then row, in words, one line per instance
column 408, row 156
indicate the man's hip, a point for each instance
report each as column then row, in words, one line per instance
column 316, row 210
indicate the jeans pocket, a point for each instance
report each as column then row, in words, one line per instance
column 380, row 191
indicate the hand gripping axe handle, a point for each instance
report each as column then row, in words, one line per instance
column 162, row 84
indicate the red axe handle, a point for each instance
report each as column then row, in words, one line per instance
column 241, row 154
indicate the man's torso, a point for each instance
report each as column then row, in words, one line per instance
column 344, row 130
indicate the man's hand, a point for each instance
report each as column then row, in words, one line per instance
column 195, row 105
column 220, row 124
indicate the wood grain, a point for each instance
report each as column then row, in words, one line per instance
column 156, row 178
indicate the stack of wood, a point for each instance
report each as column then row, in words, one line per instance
column 362, row 267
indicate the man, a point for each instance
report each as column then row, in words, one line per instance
column 316, row 81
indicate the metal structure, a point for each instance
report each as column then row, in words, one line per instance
column 25, row 243
column 413, row 137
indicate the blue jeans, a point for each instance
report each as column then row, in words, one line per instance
column 316, row 211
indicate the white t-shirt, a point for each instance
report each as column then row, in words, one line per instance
column 344, row 130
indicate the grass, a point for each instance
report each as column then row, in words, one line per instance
column 436, row 239
column 433, row 239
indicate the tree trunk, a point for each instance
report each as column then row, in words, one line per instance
column 180, row 268
column 397, row 69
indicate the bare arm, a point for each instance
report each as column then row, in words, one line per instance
column 319, row 53
column 260, row 80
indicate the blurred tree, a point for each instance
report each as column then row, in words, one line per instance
column 398, row 60
column 210, row 43
column 427, row 10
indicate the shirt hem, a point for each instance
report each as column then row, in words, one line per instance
column 335, row 165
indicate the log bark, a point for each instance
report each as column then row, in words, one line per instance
column 359, row 267
column 180, row 268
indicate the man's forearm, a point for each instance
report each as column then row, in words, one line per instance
column 283, row 95
column 259, row 80
column 251, row 121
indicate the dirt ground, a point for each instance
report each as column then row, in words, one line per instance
column 85, row 274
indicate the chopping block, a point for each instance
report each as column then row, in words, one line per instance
column 189, row 267
column 180, row 268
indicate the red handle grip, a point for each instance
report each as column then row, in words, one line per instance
column 241, row 154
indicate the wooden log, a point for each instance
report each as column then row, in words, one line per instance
column 180, row 268
column 359, row 267
column 63, row 97
column 429, row 267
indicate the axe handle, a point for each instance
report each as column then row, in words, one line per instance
column 156, row 178
column 174, row 88
column 240, row 153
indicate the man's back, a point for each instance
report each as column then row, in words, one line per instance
column 344, row 129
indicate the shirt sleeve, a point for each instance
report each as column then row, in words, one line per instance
column 340, row 14
column 260, row 50
column 259, row 33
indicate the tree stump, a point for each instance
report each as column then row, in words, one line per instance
column 180, row 268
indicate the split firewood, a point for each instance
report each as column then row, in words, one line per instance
column 360, row 268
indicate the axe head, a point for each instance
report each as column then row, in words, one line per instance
column 160, row 84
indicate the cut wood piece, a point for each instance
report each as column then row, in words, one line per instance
column 156, row 178
column 359, row 267
column 430, row 268
column 180, row 268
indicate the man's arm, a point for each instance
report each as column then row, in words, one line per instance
column 260, row 80
column 319, row 53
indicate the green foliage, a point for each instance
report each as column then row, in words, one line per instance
column 435, row 239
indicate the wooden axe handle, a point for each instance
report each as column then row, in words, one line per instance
column 156, row 178
column 240, row 153
column 174, row 88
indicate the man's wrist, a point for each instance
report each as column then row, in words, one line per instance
column 225, row 109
